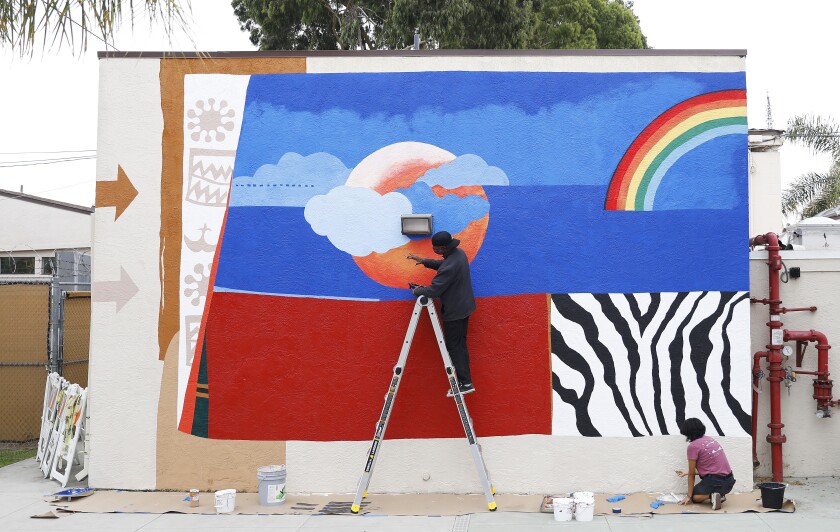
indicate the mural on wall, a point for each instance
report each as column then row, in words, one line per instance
column 640, row 364
column 590, row 318
column 212, row 119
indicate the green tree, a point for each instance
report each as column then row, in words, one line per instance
column 814, row 192
column 55, row 23
column 586, row 24
column 474, row 24
column 312, row 24
column 469, row 24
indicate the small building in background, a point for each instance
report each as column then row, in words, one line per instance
column 37, row 232
column 818, row 232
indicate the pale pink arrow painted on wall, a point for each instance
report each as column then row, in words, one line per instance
column 117, row 291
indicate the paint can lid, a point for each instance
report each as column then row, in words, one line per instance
column 271, row 468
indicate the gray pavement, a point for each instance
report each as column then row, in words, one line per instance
column 22, row 490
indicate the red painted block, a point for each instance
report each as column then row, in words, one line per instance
column 283, row 368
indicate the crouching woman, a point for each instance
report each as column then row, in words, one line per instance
column 707, row 459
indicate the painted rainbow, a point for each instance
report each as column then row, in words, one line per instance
column 674, row 133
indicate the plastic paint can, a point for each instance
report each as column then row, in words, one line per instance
column 272, row 488
column 563, row 508
column 225, row 501
column 584, row 508
column 772, row 494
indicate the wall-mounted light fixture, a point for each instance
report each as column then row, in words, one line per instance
column 416, row 224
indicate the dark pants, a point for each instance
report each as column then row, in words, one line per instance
column 455, row 337
column 715, row 483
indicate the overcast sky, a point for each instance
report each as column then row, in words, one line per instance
column 49, row 102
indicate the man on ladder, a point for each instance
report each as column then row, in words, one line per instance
column 453, row 285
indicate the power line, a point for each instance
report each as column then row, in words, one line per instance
column 47, row 159
column 41, row 152
column 107, row 44
column 16, row 164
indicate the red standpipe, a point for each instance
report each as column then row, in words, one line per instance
column 774, row 353
column 822, row 384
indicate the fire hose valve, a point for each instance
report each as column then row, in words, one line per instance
column 790, row 377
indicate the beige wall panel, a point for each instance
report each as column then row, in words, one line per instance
column 186, row 461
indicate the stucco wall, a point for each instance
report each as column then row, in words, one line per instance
column 125, row 370
column 159, row 420
column 810, row 446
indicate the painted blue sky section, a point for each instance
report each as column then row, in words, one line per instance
column 560, row 241
column 539, row 128
column 556, row 136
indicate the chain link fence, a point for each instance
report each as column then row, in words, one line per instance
column 44, row 327
column 24, row 356
column 75, row 337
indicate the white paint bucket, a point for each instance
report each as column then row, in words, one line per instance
column 563, row 508
column 583, row 495
column 225, row 501
column 584, row 508
column 272, row 484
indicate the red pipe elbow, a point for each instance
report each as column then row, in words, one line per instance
column 822, row 347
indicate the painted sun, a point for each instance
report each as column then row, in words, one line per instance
column 400, row 166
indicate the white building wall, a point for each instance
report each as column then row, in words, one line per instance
column 28, row 226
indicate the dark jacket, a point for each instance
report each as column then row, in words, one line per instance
column 452, row 284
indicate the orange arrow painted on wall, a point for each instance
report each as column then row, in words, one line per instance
column 119, row 193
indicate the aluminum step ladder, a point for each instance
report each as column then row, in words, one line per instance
column 382, row 424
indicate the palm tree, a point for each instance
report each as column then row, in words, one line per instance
column 58, row 22
column 814, row 192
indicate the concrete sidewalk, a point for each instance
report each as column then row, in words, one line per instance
column 22, row 489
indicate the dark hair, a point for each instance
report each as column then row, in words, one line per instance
column 692, row 428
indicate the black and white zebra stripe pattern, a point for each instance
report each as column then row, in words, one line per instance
column 639, row 364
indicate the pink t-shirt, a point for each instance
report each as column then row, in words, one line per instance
column 711, row 460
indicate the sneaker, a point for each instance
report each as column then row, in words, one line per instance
column 716, row 500
column 465, row 389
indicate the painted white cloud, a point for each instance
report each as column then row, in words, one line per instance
column 291, row 182
column 465, row 170
column 358, row 220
